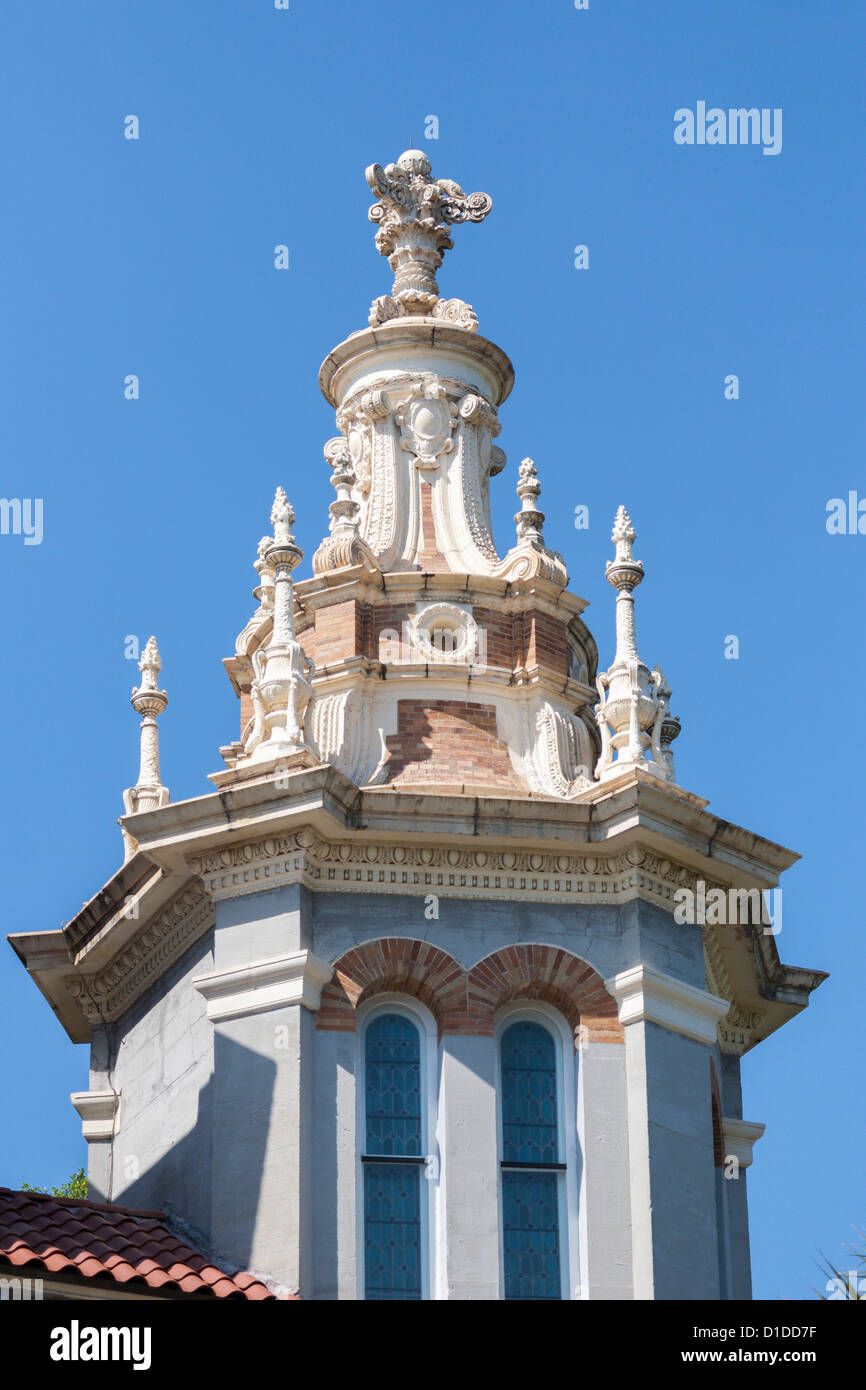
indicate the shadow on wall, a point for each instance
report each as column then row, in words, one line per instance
column 211, row 1178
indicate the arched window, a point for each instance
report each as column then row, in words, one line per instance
column 393, row 1157
column 532, row 1166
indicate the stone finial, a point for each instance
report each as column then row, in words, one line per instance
column 668, row 726
column 530, row 556
column 623, row 571
column 147, row 698
column 282, row 515
column 282, row 685
column 633, row 712
column 265, row 591
column 344, row 509
column 623, row 534
column 282, row 555
column 282, row 520
column 343, row 546
column 149, row 701
column 413, row 215
column 529, row 519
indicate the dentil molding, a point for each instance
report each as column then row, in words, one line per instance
column 510, row 874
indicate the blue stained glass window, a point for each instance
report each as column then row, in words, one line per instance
column 529, row 1121
column 530, row 1194
column 392, row 1191
column 531, row 1231
column 393, row 1075
column 392, row 1230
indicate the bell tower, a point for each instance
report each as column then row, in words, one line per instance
column 424, row 998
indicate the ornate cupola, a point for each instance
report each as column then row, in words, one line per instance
column 438, row 662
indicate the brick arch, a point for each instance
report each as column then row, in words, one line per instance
column 465, row 1001
column 533, row 971
column 393, row 964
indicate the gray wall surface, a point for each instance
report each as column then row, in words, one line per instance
column 159, row 1056
column 246, row 1128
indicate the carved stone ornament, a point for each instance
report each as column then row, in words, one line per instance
column 426, row 423
column 668, row 727
column 342, row 731
column 282, row 683
column 531, row 558
column 632, row 710
column 344, row 546
column 562, row 753
column 413, row 214
column 458, row 312
column 467, row 872
column 440, row 633
column 453, row 311
column 149, row 701
column 106, row 995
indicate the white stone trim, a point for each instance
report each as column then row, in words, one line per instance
column 99, row 1111
column 297, row 978
column 512, row 874
column 645, row 994
column 740, row 1137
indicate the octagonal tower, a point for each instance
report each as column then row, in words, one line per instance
column 425, row 1000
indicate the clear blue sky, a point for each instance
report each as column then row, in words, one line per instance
column 155, row 257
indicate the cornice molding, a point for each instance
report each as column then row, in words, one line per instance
column 517, row 874
column 482, row 873
column 411, row 586
column 98, row 1111
column 298, row 978
column 671, row 819
column 105, row 995
column 634, row 842
column 741, row 1136
column 736, row 1028
column 647, row 995
column 472, row 356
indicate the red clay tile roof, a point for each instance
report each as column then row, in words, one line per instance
column 99, row 1240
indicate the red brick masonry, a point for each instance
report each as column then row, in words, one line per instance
column 448, row 741
column 465, row 1001
column 513, row 640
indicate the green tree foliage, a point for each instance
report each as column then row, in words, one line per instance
column 76, row 1186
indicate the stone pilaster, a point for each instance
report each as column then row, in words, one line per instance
column 261, row 998
column 471, row 1165
column 605, row 1196
column 740, row 1136
column 669, row 1028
